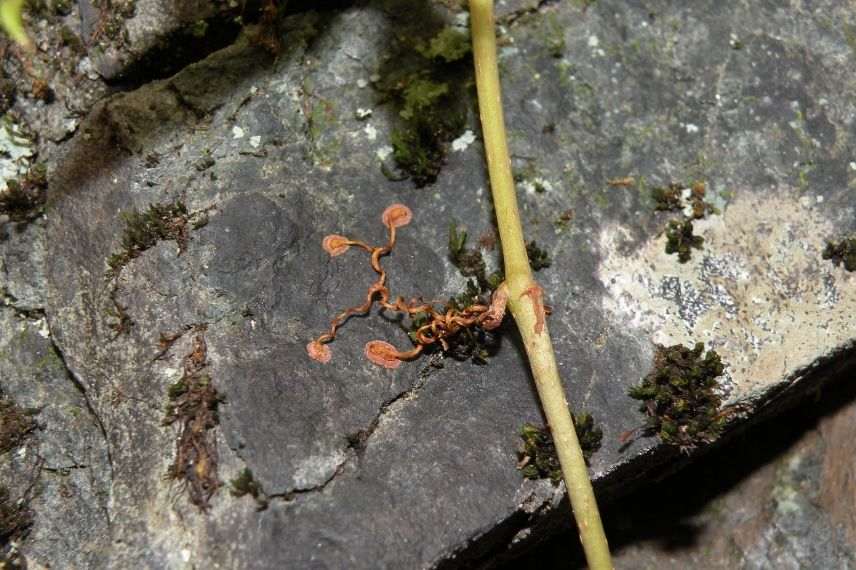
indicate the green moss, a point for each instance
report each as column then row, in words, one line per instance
column 8, row 93
column 24, row 199
column 681, row 240
column 198, row 29
column 554, row 36
column 176, row 390
column 244, row 484
column 417, row 152
column 420, row 95
column 70, row 39
column 470, row 343
column 537, row 453
column 590, row 436
column 667, row 199
column 324, row 145
column 428, row 87
column 681, row 397
column 145, row 229
column 690, row 201
column 16, row 424
column 679, row 197
column 538, row 258
column 842, row 252
column 449, row 45
column 469, row 262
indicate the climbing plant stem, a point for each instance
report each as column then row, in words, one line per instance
column 524, row 294
column 12, row 23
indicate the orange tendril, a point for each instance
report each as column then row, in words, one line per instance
column 439, row 325
column 382, row 353
column 335, row 244
column 319, row 352
column 496, row 312
column 396, row 216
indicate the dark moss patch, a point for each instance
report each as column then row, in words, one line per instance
column 16, row 424
column 428, row 86
column 842, row 253
column 143, row 230
column 474, row 343
column 537, row 453
column 8, row 93
column 450, row 45
column 678, row 197
column 193, row 403
column 681, row 396
column 689, row 200
column 680, row 239
column 528, row 174
column 470, row 343
column 668, row 198
column 538, row 258
column 244, row 484
column 24, row 199
column 469, row 261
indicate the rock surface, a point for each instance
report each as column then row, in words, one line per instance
column 779, row 496
column 368, row 468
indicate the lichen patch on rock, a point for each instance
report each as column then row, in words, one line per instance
column 760, row 283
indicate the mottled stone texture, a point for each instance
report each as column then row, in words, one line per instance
column 370, row 468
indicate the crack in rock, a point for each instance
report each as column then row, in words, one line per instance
column 358, row 441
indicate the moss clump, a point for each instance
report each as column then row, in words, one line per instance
column 193, row 403
column 245, row 484
column 677, row 197
column 667, row 199
column 469, row 262
column 145, row 229
column 70, row 39
column 690, row 202
column 8, row 93
column 538, row 258
column 537, row 454
column 16, row 424
column 842, row 252
column 681, row 240
column 472, row 342
column 428, row 86
column 680, row 396
column 24, row 199
column 449, row 45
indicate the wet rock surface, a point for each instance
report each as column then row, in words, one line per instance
column 415, row 467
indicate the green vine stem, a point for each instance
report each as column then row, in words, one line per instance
column 12, row 23
column 525, row 297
